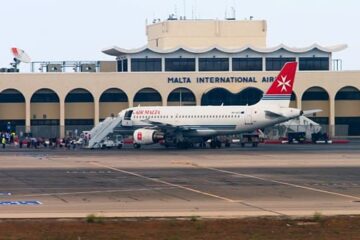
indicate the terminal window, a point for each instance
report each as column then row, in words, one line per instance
column 247, row 64
column 275, row 64
column 180, row 64
column 213, row 64
column 313, row 64
column 146, row 64
column 122, row 65
column 44, row 96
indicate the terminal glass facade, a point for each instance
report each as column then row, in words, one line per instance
column 275, row 64
column 247, row 64
column 213, row 64
column 313, row 64
column 146, row 64
column 122, row 65
column 180, row 64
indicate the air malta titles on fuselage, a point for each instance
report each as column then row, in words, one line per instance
column 185, row 80
column 147, row 112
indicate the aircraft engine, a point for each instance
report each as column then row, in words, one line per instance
column 147, row 136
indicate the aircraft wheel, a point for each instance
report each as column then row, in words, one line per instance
column 137, row 146
column 213, row 144
column 202, row 145
column 181, row 145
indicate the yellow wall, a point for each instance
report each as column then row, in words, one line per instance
column 147, row 104
column 345, row 108
column 206, row 33
column 79, row 110
column 12, row 111
column 183, row 103
column 323, row 105
column 52, row 110
column 293, row 104
column 107, row 108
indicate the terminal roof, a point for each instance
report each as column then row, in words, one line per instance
column 117, row 51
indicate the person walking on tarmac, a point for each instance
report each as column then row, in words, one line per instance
column 3, row 142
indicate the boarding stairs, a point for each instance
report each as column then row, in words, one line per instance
column 102, row 130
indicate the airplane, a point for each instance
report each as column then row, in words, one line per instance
column 184, row 126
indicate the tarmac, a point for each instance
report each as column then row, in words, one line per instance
column 271, row 180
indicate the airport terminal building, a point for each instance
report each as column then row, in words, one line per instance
column 185, row 62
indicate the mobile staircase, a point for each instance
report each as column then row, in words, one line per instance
column 101, row 131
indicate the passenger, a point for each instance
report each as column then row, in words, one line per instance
column 3, row 141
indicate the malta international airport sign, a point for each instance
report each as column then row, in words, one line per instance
column 201, row 80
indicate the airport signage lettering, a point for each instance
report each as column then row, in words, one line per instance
column 246, row 79
column 19, row 203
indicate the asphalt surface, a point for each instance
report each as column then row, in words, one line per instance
column 271, row 180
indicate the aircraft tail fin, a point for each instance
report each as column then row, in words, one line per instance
column 280, row 90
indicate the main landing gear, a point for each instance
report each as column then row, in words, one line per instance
column 137, row 146
column 215, row 143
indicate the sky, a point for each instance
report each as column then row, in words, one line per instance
column 79, row 29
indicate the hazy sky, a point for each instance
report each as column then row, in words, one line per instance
column 79, row 29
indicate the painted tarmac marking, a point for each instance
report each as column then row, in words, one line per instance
column 92, row 192
column 278, row 182
column 187, row 188
column 165, row 182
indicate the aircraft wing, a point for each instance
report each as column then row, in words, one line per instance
column 166, row 126
column 310, row 112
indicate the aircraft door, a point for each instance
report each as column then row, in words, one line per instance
column 127, row 122
column 248, row 119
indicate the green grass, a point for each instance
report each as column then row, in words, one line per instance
column 92, row 218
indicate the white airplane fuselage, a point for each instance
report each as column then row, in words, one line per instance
column 208, row 121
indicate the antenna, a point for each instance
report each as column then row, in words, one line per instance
column 19, row 56
column 184, row 9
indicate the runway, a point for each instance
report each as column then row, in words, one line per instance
column 272, row 180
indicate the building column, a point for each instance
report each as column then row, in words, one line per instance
column 163, row 64
column 129, row 64
column 332, row 116
column 96, row 111
column 196, row 64
column 198, row 99
column 164, row 100
column 264, row 64
column 131, row 101
column 298, row 61
column 230, row 64
column 62, row 118
column 298, row 102
column 27, row 115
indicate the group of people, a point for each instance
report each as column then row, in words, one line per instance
column 10, row 138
